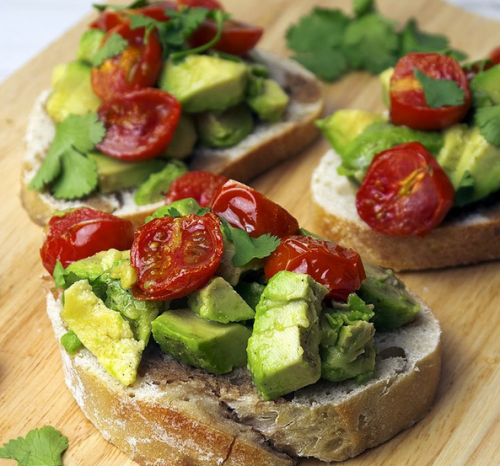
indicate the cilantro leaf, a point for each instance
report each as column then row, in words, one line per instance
column 63, row 278
column 363, row 7
column 488, row 120
column 41, row 447
column 415, row 40
column 465, row 189
column 115, row 45
column 440, row 92
column 328, row 65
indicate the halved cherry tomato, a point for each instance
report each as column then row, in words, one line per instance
column 209, row 4
column 408, row 104
column 107, row 20
column 339, row 269
column 174, row 256
column 80, row 233
column 138, row 66
column 495, row 55
column 249, row 210
column 405, row 192
column 139, row 125
column 200, row 185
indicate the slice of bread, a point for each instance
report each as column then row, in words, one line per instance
column 178, row 415
column 467, row 236
column 269, row 144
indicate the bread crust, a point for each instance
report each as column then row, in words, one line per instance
column 269, row 144
column 467, row 237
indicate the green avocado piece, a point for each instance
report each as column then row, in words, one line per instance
column 343, row 126
column 226, row 128
column 270, row 101
column 385, row 81
column 94, row 266
column 178, row 208
column 393, row 305
column 184, row 139
column 71, row 342
column 157, row 185
column 104, row 332
column 217, row 348
column 485, row 87
column 72, row 92
column 90, row 42
column 250, row 292
column 205, row 82
column 283, row 351
column 115, row 174
column 218, row 301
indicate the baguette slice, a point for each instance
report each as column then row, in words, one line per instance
column 466, row 237
column 269, row 144
column 178, row 415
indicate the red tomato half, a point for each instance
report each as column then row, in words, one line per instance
column 80, row 233
column 107, row 20
column 138, row 66
column 339, row 269
column 405, row 192
column 495, row 55
column 209, row 4
column 174, row 256
column 408, row 104
column 139, row 125
column 200, row 185
column 249, row 210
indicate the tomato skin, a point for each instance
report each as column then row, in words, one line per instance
column 408, row 104
column 107, row 20
column 339, row 269
column 249, row 210
column 81, row 233
column 174, row 256
column 139, row 125
column 200, row 185
column 405, row 192
column 209, row 4
column 495, row 55
column 138, row 66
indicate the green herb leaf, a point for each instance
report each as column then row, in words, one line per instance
column 328, row 65
column 415, row 40
column 488, row 120
column 62, row 278
column 40, row 447
column 363, row 7
column 440, row 92
column 115, row 45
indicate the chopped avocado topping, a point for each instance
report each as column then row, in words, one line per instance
column 71, row 342
column 184, row 139
column 485, row 88
column 90, row 43
column 215, row 347
column 178, row 208
column 218, row 301
column 269, row 101
column 385, row 81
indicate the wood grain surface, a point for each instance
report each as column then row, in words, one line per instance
column 464, row 426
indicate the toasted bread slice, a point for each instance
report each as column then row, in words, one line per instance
column 465, row 237
column 269, row 144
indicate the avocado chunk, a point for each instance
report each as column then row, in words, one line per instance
column 485, row 87
column 71, row 342
column 385, row 81
column 215, row 347
column 226, row 128
column 250, row 292
column 72, row 92
column 218, row 301
column 269, row 100
column 115, row 174
column 157, row 185
column 393, row 305
column 184, row 140
column 205, row 82
column 283, row 351
column 104, row 332
column 187, row 206
column 343, row 126
column 90, row 43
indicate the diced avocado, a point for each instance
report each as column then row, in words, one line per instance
column 71, row 342
column 485, row 87
column 157, row 185
column 343, row 126
column 226, row 128
column 250, row 292
column 454, row 140
column 90, row 42
column 270, row 101
column 178, row 208
column 72, row 92
column 283, row 351
column 218, row 301
column 385, row 81
column 215, row 347
column 393, row 305
column 115, row 174
column 205, row 82
column 104, row 332
column 92, row 267
column 184, row 139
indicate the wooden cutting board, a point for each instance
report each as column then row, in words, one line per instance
column 464, row 426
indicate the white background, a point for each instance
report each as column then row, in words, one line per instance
column 28, row 26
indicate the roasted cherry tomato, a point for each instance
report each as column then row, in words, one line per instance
column 209, row 4
column 495, row 55
column 339, row 269
column 80, row 233
column 200, row 185
column 107, row 20
column 237, row 38
column 139, row 125
column 174, row 256
column 408, row 104
column 405, row 192
column 245, row 208
column 138, row 66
